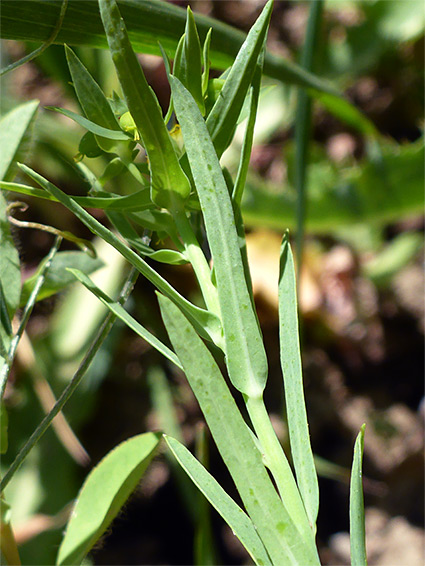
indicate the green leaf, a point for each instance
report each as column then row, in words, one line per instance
column 222, row 119
column 234, row 516
column 245, row 356
column 207, row 324
column 188, row 58
column 357, row 517
column 57, row 278
column 104, row 492
column 148, row 22
column 15, row 131
column 139, row 200
column 123, row 315
column 169, row 185
column 280, row 536
column 290, row 356
column 92, row 100
column 92, row 127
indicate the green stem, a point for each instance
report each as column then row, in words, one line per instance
column 276, row 461
column 198, row 260
column 73, row 384
column 5, row 370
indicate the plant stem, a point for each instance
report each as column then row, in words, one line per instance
column 73, row 384
column 5, row 370
column 198, row 261
column 276, row 461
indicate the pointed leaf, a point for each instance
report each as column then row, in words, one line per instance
column 234, row 516
column 91, row 126
column 357, row 517
column 245, row 355
column 290, row 354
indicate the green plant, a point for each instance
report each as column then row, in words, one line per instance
column 180, row 188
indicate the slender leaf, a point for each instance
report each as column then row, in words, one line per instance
column 303, row 125
column 92, row 100
column 357, row 517
column 189, row 67
column 245, row 356
column 222, row 120
column 139, row 200
column 279, row 534
column 57, row 278
column 168, row 182
column 106, row 489
column 91, row 126
column 234, row 516
column 290, row 356
column 120, row 312
column 149, row 22
column 206, row 323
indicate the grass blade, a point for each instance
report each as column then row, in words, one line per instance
column 104, row 492
column 149, row 22
column 303, row 126
column 245, row 355
column 357, row 518
column 234, row 516
column 279, row 534
column 120, row 312
column 294, row 394
column 169, row 184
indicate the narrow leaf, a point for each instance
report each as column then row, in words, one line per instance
column 245, row 356
column 91, row 126
column 223, row 117
column 168, row 182
column 234, row 516
column 139, row 200
column 357, row 517
column 92, row 100
column 290, row 354
column 120, row 312
column 104, row 492
column 279, row 534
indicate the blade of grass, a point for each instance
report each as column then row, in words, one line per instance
column 303, row 127
column 149, row 22
column 234, row 516
column 357, row 517
column 206, row 323
column 290, row 354
column 92, row 126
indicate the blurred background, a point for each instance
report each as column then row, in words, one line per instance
column 360, row 294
